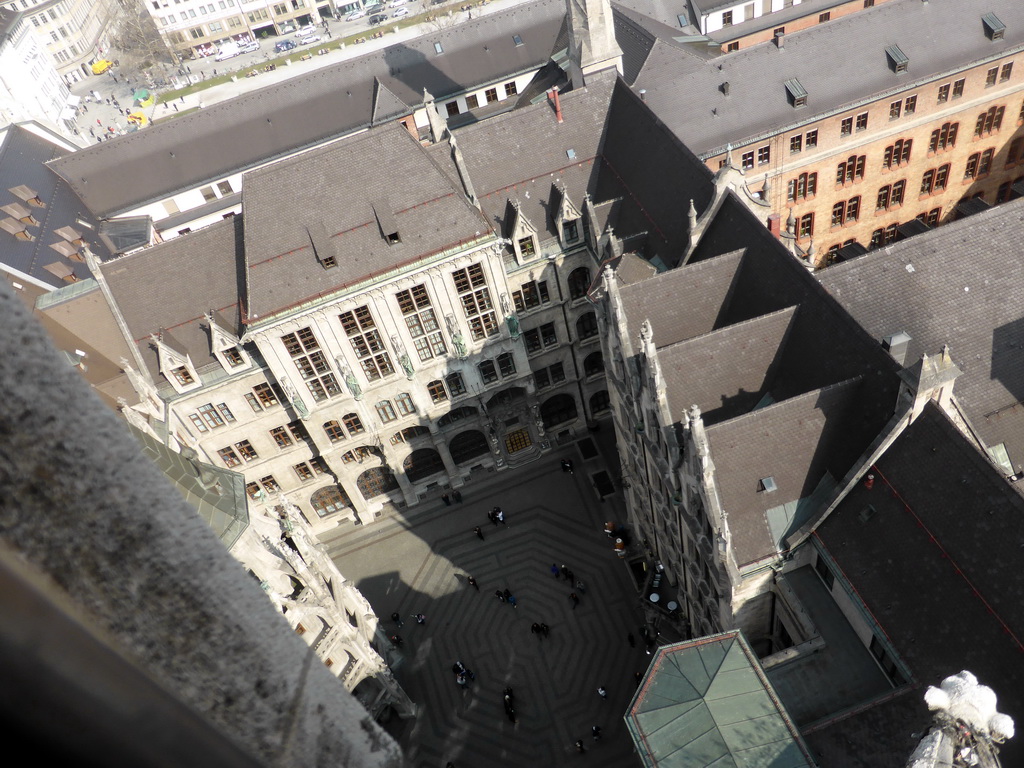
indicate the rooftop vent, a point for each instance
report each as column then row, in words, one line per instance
column 68, row 250
column 517, row 40
column 994, row 28
column 16, row 228
column 438, row 48
column 62, row 271
column 896, row 345
column 70, row 234
column 21, row 213
column 767, row 485
column 797, row 93
column 386, row 221
column 27, row 194
column 898, row 61
column 725, row 88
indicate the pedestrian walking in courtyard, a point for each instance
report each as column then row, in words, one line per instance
column 458, row 667
column 596, row 732
column 479, row 533
column 461, row 680
column 574, row 599
column 447, row 501
column 567, row 465
column 500, row 595
column 535, row 629
column 554, row 570
column 472, row 582
column 420, row 618
column 631, row 640
column 581, row 587
column 182, row 98
column 638, row 676
column 565, row 571
column 507, row 593
column 396, row 640
column 175, row 107
column 512, row 601
column 395, row 617
column 579, row 746
column 492, row 518
column 544, row 629
column 602, row 692
column 457, row 495
column 499, row 515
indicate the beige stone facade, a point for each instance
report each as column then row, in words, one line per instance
column 964, row 135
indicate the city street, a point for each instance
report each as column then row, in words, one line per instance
column 420, row 563
column 97, row 118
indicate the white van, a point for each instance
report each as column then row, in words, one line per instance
column 227, row 51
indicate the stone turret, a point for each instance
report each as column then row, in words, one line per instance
column 592, row 44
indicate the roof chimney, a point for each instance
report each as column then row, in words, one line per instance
column 553, row 95
column 643, row 94
column 725, row 88
column 780, row 40
column 896, row 345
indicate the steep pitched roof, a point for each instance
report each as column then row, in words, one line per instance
column 23, row 157
column 957, row 285
column 933, row 562
column 685, row 91
column 339, row 194
column 272, row 122
column 171, row 285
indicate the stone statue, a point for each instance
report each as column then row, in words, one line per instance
column 403, row 357
column 294, row 399
column 350, row 378
column 461, row 351
column 513, row 326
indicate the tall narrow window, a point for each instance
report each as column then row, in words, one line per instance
column 367, row 343
column 506, row 365
column 311, row 363
column 437, row 392
column 386, row 411
column 404, row 404
column 471, row 285
column 421, row 320
column 456, row 384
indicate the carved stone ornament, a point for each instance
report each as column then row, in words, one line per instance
column 403, row 357
column 294, row 398
column 461, row 351
column 350, row 380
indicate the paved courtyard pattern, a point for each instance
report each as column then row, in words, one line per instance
column 420, row 563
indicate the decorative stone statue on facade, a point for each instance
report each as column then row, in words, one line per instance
column 510, row 317
column 350, row 380
column 403, row 357
column 461, row 351
column 294, row 398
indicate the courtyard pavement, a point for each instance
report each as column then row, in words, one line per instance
column 418, row 563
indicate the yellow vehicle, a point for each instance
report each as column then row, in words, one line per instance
column 101, row 66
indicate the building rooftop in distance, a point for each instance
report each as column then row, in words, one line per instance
column 706, row 703
column 281, row 119
column 686, row 92
column 959, row 285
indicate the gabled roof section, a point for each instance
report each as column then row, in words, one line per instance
column 706, row 703
column 925, row 287
column 172, row 285
column 729, row 371
column 386, row 105
column 362, row 191
column 935, row 566
column 23, row 157
column 934, row 36
column 281, row 119
column 799, row 442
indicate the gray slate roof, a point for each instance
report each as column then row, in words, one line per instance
column 23, row 158
column 761, row 325
column 931, row 483
column 170, row 286
column 241, row 133
column 960, row 284
column 337, row 198
column 937, row 37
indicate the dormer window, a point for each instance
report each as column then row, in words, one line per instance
column 183, row 375
column 527, row 247
column 571, row 230
column 233, row 357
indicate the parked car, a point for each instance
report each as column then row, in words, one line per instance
column 399, row 13
column 355, row 15
column 250, row 47
column 398, row 3
column 378, row 18
column 370, row 10
column 100, row 66
column 308, row 39
column 284, row 45
column 306, row 31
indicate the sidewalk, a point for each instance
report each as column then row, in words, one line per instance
column 110, row 117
